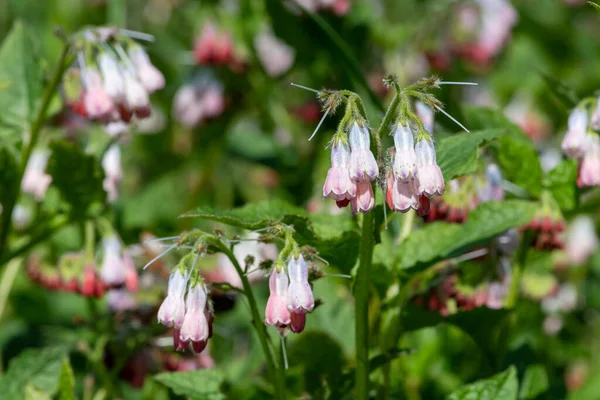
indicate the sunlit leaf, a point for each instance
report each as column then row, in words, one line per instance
column 562, row 183
column 535, row 382
column 503, row 386
column 202, row 384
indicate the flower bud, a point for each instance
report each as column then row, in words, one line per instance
column 298, row 321
column 172, row 310
column 364, row 200
column 575, row 141
column 362, row 162
column 195, row 325
column 405, row 159
column 277, row 313
column 338, row 185
column 150, row 77
column 35, row 180
column 299, row 297
column 431, row 180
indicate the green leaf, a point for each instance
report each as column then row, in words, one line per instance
column 562, row 183
column 503, row 386
column 335, row 237
column 78, row 176
column 535, row 382
column 566, row 94
column 458, row 155
column 202, row 384
column 440, row 240
column 66, row 382
column 21, row 75
column 40, row 368
column 33, row 393
column 515, row 152
column 9, row 175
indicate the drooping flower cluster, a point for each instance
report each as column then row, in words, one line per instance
column 187, row 310
column 76, row 273
column 583, row 144
column 216, row 47
column 112, row 79
column 275, row 55
column 201, row 100
column 290, row 296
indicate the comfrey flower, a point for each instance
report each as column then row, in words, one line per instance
column 172, row 310
column 401, row 196
column 112, row 78
column 365, row 199
column 300, row 296
column 405, row 159
column 362, row 160
column 35, row 180
column 581, row 240
column 338, row 185
column 425, row 114
column 112, row 270
column 589, row 168
column 275, row 55
column 198, row 101
column 576, row 140
column 111, row 163
column 150, row 77
column 431, row 180
column 195, row 327
column 277, row 313
column 98, row 103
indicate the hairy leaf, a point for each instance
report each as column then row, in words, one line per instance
column 40, row 368
column 66, row 382
column 78, row 176
column 21, row 75
column 440, row 240
column 562, row 183
column 535, row 382
column 335, row 237
column 33, row 393
column 503, row 386
column 458, row 155
column 202, row 384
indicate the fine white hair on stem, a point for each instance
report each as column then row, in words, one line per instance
column 253, row 270
column 458, row 83
column 346, row 276
column 171, row 247
column 384, row 213
column 514, row 189
column 163, row 239
column 137, row 35
column 321, row 258
column 305, row 88
column 319, row 125
column 284, row 351
column 471, row 255
column 452, row 118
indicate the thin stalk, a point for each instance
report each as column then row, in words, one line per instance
column 8, row 278
column 407, row 225
column 278, row 373
column 361, row 296
column 28, row 149
column 517, row 269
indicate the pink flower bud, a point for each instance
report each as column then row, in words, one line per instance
column 111, row 163
column 401, row 196
column 298, row 321
column 172, row 310
column 132, row 279
column 425, row 114
column 431, row 180
column 589, row 171
column 275, row 55
column 195, row 325
column 299, row 297
column 112, row 270
column 150, row 77
column 88, row 282
column 364, row 200
column 405, row 159
column 277, row 313
column 112, row 78
column 35, row 180
column 581, row 240
column 362, row 162
column 338, row 185
column 98, row 103
column 576, row 140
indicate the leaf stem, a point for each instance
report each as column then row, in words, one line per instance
column 277, row 372
column 27, row 150
column 8, row 278
column 361, row 296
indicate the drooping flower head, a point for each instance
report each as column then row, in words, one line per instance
column 195, row 327
column 172, row 310
column 277, row 313
column 362, row 161
column 364, row 201
column 36, row 180
column 575, row 141
column 300, row 296
column 112, row 270
column 589, row 169
column 338, row 185
column 150, row 77
column 405, row 159
column 431, row 180
column 400, row 195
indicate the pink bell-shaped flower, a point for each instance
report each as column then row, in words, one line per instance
column 581, row 240
column 112, row 270
column 36, row 180
column 364, row 200
column 150, row 77
column 112, row 77
column 299, row 297
column 362, row 161
column 401, row 196
column 111, row 163
column 431, row 180
column 576, row 140
column 589, row 171
column 195, row 325
column 338, row 185
column 98, row 104
column 136, row 96
column 277, row 313
column 172, row 310
column 405, row 159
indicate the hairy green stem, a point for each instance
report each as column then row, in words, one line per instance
column 361, row 296
column 278, row 373
column 28, row 149
column 517, row 270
